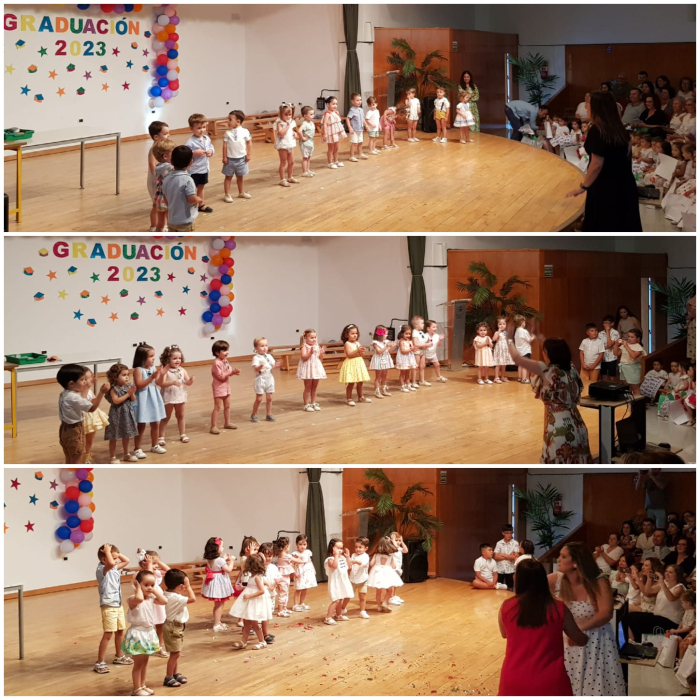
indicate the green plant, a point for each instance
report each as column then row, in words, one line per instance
column 539, row 510
column 403, row 515
column 677, row 293
column 528, row 72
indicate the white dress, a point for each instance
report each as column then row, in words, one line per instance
column 381, row 359
column 382, row 575
column 405, row 360
column 159, row 612
column 217, row 584
column 258, row 609
column 501, row 356
column 313, row 367
column 305, row 574
column 141, row 637
column 339, row 585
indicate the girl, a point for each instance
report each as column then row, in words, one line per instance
column 501, row 356
column 221, row 371
column 442, row 114
column 306, row 131
column 304, row 574
column 141, row 640
column 149, row 406
column 381, row 361
column 254, row 606
column 332, row 131
column 413, row 113
column 92, row 420
column 405, row 359
column 172, row 386
column 249, row 546
column 397, row 556
column 420, row 343
column 122, row 420
column 689, row 403
column 372, row 125
column 585, row 126
column 217, row 583
column 382, row 574
column 659, row 146
column 688, row 621
column 636, row 147
column 631, row 352
column 431, row 351
column 646, row 152
column 353, row 370
column 484, row 357
column 337, row 566
column 310, row 369
column 285, row 564
column 272, row 573
column 387, row 124
column 576, row 136
column 675, row 390
column 463, row 117
column 285, row 140
column 162, row 151
column 619, row 579
column 522, row 341
column 150, row 561
column 638, row 580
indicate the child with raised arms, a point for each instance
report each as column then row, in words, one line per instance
column 264, row 385
column 431, row 351
column 217, row 582
column 401, row 549
column 483, row 355
column 254, row 606
column 310, row 369
column 221, row 372
column 172, row 386
column 337, row 566
column 405, row 358
column 381, row 361
column 249, row 546
column 522, row 341
column 149, row 407
column 285, row 566
column 420, row 343
column 359, row 574
column 304, row 573
column 149, row 560
column 382, row 575
column 501, row 356
column 122, row 419
column 285, row 141
column 178, row 595
column 353, row 370
column 236, row 154
column 92, row 420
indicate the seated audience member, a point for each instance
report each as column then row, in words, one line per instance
column 683, row 556
column 676, row 388
column 486, row 571
column 622, row 87
column 638, row 556
column 660, row 147
column 645, row 540
column 677, row 116
column 673, row 534
column 642, row 77
column 576, row 135
column 666, row 102
column 687, row 628
column 673, row 516
column 638, row 579
column 681, row 194
column 619, row 580
column 668, row 610
column 662, row 82
column 653, row 117
column 660, row 550
column 633, row 111
column 657, row 371
column 686, row 130
column 582, row 109
column 628, row 536
column 607, row 87
column 647, row 88
column 686, row 88
column 638, row 520
column 688, row 521
column 608, row 555
column 527, row 551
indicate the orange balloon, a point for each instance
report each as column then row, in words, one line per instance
column 91, row 477
column 217, row 260
column 230, row 296
column 76, row 545
column 178, row 69
column 217, row 327
column 225, row 253
column 231, row 272
column 92, row 507
column 138, row 8
column 162, row 36
column 170, row 28
column 177, row 46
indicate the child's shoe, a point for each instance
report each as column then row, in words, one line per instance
column 404, row 388
column 411, row 387
column 293, row 180
column 317, row 407
column 158, row 449
column 424, row 383
column 363, row 156
column 214, row 430
column 307, row 174
column 415, row 385
column 353, row 159
column 243, row 195
column 501, row 587
column 364, row 615
column 153, row 228
column 114, row 460
column 378, row 393
column 443, row 140
column 298, row 608
column 442, row 379
column 462, row 141
column 385, row 391
column 228, row 198
column 339, row 164
column 308, row 408
column 140, row 454
column 481, row 381
column 436, row 139
column 123, row 660
column 271, row 418
column 284, row 183
column 230, row 426
column 488, row 381
column 312, row 173
column 128, row 457
column 161, row 653
column 220, row 628
column 332, row 165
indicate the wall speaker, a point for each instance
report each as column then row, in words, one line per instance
column 415, row 564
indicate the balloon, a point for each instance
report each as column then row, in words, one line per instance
column 214, row 295
column 151, row 103
column 170, row 11
column 87, row 525
column 173, row 53
column 163, row 82
column 91, row 506
column 162, row 71
column 171, row 74
column 213, row 270
column 68, row 474
column 84, row 513
column 207, row 316
column 72, row 492
column 218, row 319
column 107, row 8
column 172, row 64
column 209, row 328
column 119, row 9
column 163, row 20
column 138, row 8
column 174, row 36
column 224, row 289
column 158, row 45
column 225, row 253
column 63, row 532
column 167, row 93
column 215, row 308
column 128, row 8
column 89, row 536
column 230, row 296
column 226, row 279
column 175, row 20
column 227, row 320
column 158, row 102
column 85, row 486
column 72, row 507
column 174, row 85
column 216, row 260
column 217, row 244
column 162, row 60
column 226, row 310
column 91, row 478
column 81, row 474
column 73, row 521
column 230, row 244
column 224, row 301
column 215, row 284
column 170, row 28
column 162, row 36
column 66, row 546
column 77, row 536
column 223, row 268
column 84, row 499
column 83, row 7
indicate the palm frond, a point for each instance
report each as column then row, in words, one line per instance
column 481, row 270
column 416, row 488
column 403, row 45
column 381, row 478
column 481, row 295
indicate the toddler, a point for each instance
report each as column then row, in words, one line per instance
column 609, row 336
column 431, row 351
column 382, row 575
column 337, row 566
column 522, row 340
column 285, row 140
column 359, row 574
column 172, row 385
column 310, row 369
column 285, row 566
column 591, row 352
column 353, row 370
column 236, row 154
column 413, row 113
column 162, row 152
column 122, row 419
column 372, row 125
column 263, row 364
column 636, row 147
column 630, row 352
column 149, row 407
column 273, row 577
column 387, row 124
column 576, row 136
column 501, row 355
column 420, row 343
column 221, row 371
column 401, row 549
column 202, row 150
column 333, row 132
column 254, row 606
column 483, row 353
column 356, row 127
column 304, row 573
column 178, row 595
column 92, row 420
column 646, row 152
column 158, row 131
column 217, row 582
column 585, row 126
column 463, row 117
column 381, row 361
column 306, row 131
column 442, row 115
column 657, row 371
column 150, row 561
column 180, row 192
column 405, row 358
column 486, row 571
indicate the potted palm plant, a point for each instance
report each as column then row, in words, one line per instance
column 676, row 295
column 528, row 72
column 543, row 515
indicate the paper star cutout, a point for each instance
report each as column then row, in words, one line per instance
column 6, row 528
column 114, row 317
column 52, row 74
column 95, row 277
column 171, row 276
column 129, row 64
column 51, row 275
column 25, row 90
column 125, row 85
column 160, row 312
column 145, row 52
column 42, row 51
column 30, row 526
column 182, row 311
column 33, row 499
column 203, row 278
column 9, row 69
column 105, row 87
column 141, row 301
column 115, row 52
column 106, row 300
column 54, row 485
column 62, row 294
column 87, row 75
column 61, row 92
column 185, row 290
column 15, row 484
column 77, row 314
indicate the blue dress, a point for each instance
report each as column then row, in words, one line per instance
column 149, row 407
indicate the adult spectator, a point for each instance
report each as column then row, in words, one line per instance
column 612, row 203
column 558, row 385
column 686, row 88
column 647, row 88
column 654, row 484
column 660, row 550
column 691, row 308
column 688, row 522
column 645, row 541
column 668, row 611
column 609, row 554
column 686, row 131
column 673, row 534
column 466, row 84
column 622, row 87
column 634, row 109
column 520, row 113
column 527, row 551
column 628, row 536
column 683, row 556
column 607, row 87
column 625, row 321
column 672, row 516
column 653, row 117
column 642, row 77
column 532, row 622
column 638, row 519
column 666, row 102
column 663, row 82
column 582, row 109
column 677, row 116
column 505, row 553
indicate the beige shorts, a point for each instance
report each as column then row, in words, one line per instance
column 357, row 137
column 113, row 619
column 173, row 636
column 181, row 228
column 360, row 588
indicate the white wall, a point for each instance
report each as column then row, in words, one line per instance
column 556, row 55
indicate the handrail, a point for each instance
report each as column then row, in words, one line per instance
column 575, row 535
column 675, row 350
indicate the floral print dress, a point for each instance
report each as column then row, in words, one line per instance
column 473, row 99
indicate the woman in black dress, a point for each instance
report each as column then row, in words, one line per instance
column 653, row 117
column 612, row 203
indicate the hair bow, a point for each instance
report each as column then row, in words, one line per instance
column 217, row 541
column 141, row 555
column 380, row 331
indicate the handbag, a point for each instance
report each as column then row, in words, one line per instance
column 687, row 667
column 669, row 649
column 657, row 638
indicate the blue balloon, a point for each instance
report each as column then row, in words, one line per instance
column 155, row 91
column 81, row 7
column 215, row 308
column 225, row 279
column 215, row 295
column 73, row 521
column 162, row 70
column 63, row 532
column 172, row 53
column 163, row 82
column 207, row 316
column 85, row 486
column 72, row 507
column 128, row 8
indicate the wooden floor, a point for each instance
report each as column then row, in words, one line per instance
column 443, row 641
column 492, row 184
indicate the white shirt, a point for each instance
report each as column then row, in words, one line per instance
column 522, row 557
column 615, row 554
column 662, row 374
column 413, row 108
column 235, row 140
column 176, row 607
column 71, row 406
column 359, row 572
column 609, row 355
column 646, row 544
column 266, row 361
column 486, row 567
column 418, row 337
column 431, row 352
column 591, row 349
column 523, row 340
column 582, row 111
column 272, row 575
column 670, row 610
column 503, row 547
column 372, row 117
column 398, row 561
column 286, row 141
column 442, row 105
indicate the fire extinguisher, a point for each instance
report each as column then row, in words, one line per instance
column 545, row 70
column 557, row 507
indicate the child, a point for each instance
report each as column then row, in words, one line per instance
column 141, row 640
column 660, row 147
column 527, row 551
column 180, row 192
column 332, row 131
column 353, row 370
column 420, row 343
column 387, row 124
column 249, row 546
column 178, row 595
column 657, row 372
column 217, row 582
column 304, row 573
column 646, row 152
column 236, row 154
column 631, row 352
column 162, row 152
column 263, row 364
column 202, row 150
column 286, row 569
column 372, row 125
column 150, row 561
column 486, row 571
column 109, row 587
column 71, row 404
column 158, row 131
column 172, row 385
column 413, row 109
column 522, row 341
column 690, row 401
column 149, row 407
column 221, row 371
column 337, row 566
column 92, row 420
column 585, row 126
column 676, row 389
column 405, row 359
column 688, row 621
column 431, row 351
column 483, row 354
column 381, row 361
column 285, row 140
column 463, row 117
column 273, row 578
column 442, row 114
column 591, row 352
column 122, row 419
column 306, row 131
column 254, row 605
column 310, row 369
column 359, row 574
column 382, row 575
column 501, row 355
column 609, row 336
column 636, row 147
column 356, row 127
column 576, row 136
column 401, row 549
column 506, row 553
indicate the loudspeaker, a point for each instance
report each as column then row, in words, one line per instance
column 415, row 564
column 632, row 431
column 607, row 391
column 428, row 115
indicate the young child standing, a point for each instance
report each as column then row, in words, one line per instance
column 522, row 340
column 401, row 549
column 254, row 606
column 464, row 117
column 501, row 355
column 221, row 372
column 285, row 141
column 306, row 131
column 412, row 113
column 332, row 131
column 180, row 192
column 108, row 575
column 506, row 553
column 591, row 351
column 162, row 152
column 149, row 407
column 202, row 150
column 149, row 560
column 172, row 385
column 356, row 127
column 442, row 115
column 382, row 574
column 263, row 364
column 483, row 354
column 92, row 420
column 609, row 336
column 122, row 419
column 631, row 352
column 353, row 370
column 273, row 577
column 158, row 131
column 405, row 358
column 217, row 582
column 178, row 595
column 310, row 369
column 431, row 351
column 381, row 361
column 304, row 573
column 359, row 574
column 420, row 343
column 236, row 154
column 486, row 571
column 285, row 566
column 372, row 125
column 387, row 124
column 337, row 566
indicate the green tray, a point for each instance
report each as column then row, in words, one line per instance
column 20, row 136
column 26, row 358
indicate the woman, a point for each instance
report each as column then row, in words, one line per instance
column 466, row 84
column 532, row 622
column 612, row 203
column 628, row 536
column 647, row 88
column 677, row 116
column 625, row 321
column 683, row 556
column 663, row 83
column 668, row 610
column 673, row 534
column 607, row 87
column 686, row 131
column 582, row 109
column 653, row 117
column 686, row 88
column 666, row 102
column 594, row 669
column 558, row 385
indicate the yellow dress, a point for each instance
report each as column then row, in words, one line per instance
column 94, row 420
column 353, row 369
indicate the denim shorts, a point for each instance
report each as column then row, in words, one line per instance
column 235, row 166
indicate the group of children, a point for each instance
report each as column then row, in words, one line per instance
column 495, row 568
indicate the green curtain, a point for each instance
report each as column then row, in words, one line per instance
column 352, row 65
column 315, row 527
column 418, row 303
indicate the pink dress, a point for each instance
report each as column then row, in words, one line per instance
column 220, row 372
column 387, row 125
column 483, row 356
column 313, row 367
column 332, row 128
column 285, row 564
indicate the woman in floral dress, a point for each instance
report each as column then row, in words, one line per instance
column 466, row 84
column 558, row 385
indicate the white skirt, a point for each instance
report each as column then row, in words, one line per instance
column 339, row 585
column 384, row 577
column 258, row 609
column 305, row 577
column 405, row 360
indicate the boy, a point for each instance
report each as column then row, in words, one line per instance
column 412, row 113
column 523, row 339
column 306, row 131
column 109, row 586
column 657, row 371
column 356, row 127
column 642, row 77
column 263, row 364
column 609, row 336
column 180, row 192
column 591, row 353
column 202, row 151
column 178, row 595
column 359, row 574
column 158, row 131
column 506, row 552
column 236, row 156
column 71, row 404
column 486, row 571
column 431, row 350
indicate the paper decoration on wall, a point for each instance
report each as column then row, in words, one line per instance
column 38, row 98
column 70, row 67
column 80, row 91
column 20, row 44
column 114, row 317
column 39, row 296
column 42, row 51
column 103, row 69
column 77, row 314
column 72, row 270
column 141, row 301
column 28, row 271
column 159, row 294
column 204, row 294
column 38, row 476
column 25, row 90
column 205, row 258
column 53, row 505
column 220, row 295
column 33, row 499
column 134, row 45
column 84, row 294
column 53, row 485
column 78, row 508
column 171, row 277
column 124, row 293
column 62, row 294
column 30, row 526
column 91, row 322
column 51, row 275
column 43, row 252
column 15, row 484
column 32, row 69
column 160, row 312
column 166, row 73
column 134, row 316
column 190, row 270
column 185, row 290
column 182, row 311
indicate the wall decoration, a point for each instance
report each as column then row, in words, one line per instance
column 15, row 484
column 53, row 505
column 78, row 508
column 220, row 294
column 38, row 476
column 28, row 271
column 165, row 37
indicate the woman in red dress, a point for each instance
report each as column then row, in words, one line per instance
column 532, row 623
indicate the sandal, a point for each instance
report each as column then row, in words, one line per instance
column 364, row 399
column 496, row 381
column 184, row 438
column 171, row 682
column 150, row 691
column 329, row 621
column 141, row 692
column 180, row 678
column 162, row 654
column 239, row 645
column 161, row 441
column 350, row 402
column 259, row 646
column 284, row 613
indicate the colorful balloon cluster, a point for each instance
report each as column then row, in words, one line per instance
column 107, row 9
column 78, row 508
column 166, row 72
column 221, row 284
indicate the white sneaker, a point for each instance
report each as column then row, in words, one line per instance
column 140, row 454
column 345, row 612
column 228, row 198
column 424, row 383
column 501, row 587
column 364, row 615
column 308, row 408
column 415, row 385
column 219, row 628
column 316, row 407
column 443, row 140
column 364, row 156
column 442, row 379
column 394, row 601
column 411, row 387
column 394, row 146
column 481, row 381
column 128, row 457
column 332, row 165
column 462, row 141
column 404, row 388
column 243, row 195
column 401, row 600
column 153, row 228
column 353, row 159
column 375, row 152
column 307, row 174
column 159, row 449
column 488, row 381
column 284, row 183
column 339, row 164
column 436, row 139
column 114, row 460
column 311, row 172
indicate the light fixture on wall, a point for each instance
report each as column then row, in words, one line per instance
column 369, row 32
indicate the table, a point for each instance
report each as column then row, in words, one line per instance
column 62, row 137
column 13, row 369
column 20, row 607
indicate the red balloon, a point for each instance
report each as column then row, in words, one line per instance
column 226, row 310
column 174, row 85
column 215, row 284
column 87, row 525
column 174, row 36
column 72, row 493
column 162, row 60
column 107, row 8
